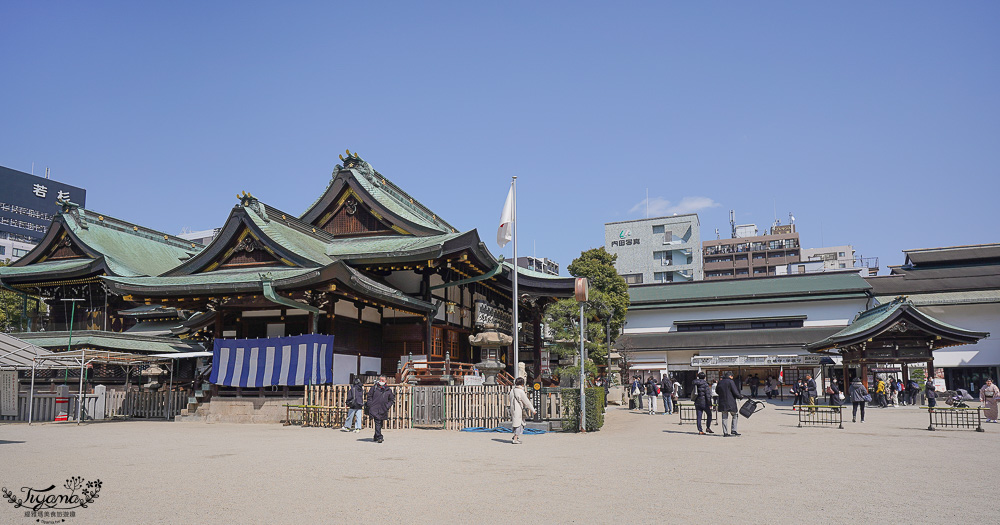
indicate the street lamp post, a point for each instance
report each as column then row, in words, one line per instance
column 69, row 348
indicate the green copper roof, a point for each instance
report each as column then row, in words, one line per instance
column 392, row 245
column 387, row 194
column 877, row 320
column 128, row 249
column 123, row 342
column 44, row 267
column 221, row 277
column 533, row 273
column 750, row 290
column 292, row 233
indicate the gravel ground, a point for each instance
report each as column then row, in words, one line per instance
column 889, row 469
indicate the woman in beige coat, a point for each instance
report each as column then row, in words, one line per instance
column 519, row 403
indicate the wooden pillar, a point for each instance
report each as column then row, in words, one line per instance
column 310, row 322
column 864, row 374
column 219, row 318
column 906, row 373
column 536, row 318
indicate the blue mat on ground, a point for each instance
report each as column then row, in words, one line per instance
column 501, row 429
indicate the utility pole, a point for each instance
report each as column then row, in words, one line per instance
column 69, row 347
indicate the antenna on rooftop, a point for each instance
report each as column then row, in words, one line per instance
column 732, row 221
column 717, row 234
column 46, row 172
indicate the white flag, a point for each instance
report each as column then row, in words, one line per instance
column 506, row 219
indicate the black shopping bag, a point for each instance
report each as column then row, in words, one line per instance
column 750, row 407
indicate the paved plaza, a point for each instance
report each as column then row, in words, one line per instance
column 639, row 467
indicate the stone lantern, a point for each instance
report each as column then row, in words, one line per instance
column 152, row 375
column 490, row 344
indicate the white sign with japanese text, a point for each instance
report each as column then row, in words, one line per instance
column 8, row 393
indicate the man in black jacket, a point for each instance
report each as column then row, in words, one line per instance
column 728, row 394
column 754, row 383
column 702, row 396
column 380, row 400
column 667, row 390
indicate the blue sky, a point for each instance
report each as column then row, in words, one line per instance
column 876, row 124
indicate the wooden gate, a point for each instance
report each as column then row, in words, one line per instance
column 428, row 406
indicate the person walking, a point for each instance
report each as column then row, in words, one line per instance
column 702, row 396
column 833, row 393
column 859, row 396
column 754, row 383
column 769, row 386
column 519, row 404
column 380, row 400
column 989, row 394
column 811, row 392
column 798, row 389
column 652, row 392
column 930, row 390
column 355, row 404
column 667, row 391
column 715, row 393
column 728, row 394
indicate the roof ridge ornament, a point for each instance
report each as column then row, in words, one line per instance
column 249, row 201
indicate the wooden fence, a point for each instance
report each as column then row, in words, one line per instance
column 333, row 400
column 150, row 405
column 456, row 408
column 45, row 408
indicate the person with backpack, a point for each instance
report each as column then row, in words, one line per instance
column 355, row 404
column 652, row 392
column 667, row 391
column 859, row 396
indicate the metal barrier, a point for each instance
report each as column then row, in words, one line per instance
column 687, row 412
column 971, row 417
column 818, row 415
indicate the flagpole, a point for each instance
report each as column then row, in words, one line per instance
column 514, row 238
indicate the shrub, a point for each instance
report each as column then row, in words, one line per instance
column 595, row 408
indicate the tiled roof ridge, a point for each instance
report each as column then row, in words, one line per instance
column 295, row 223
column 407, row 200
column 91, row 217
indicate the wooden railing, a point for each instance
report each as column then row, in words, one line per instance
column 476, row 406
column 435, row 371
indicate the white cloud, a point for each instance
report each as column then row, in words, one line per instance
column 659, row 206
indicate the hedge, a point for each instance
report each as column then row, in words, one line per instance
column 595, row 408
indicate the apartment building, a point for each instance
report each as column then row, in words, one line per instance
column 751, row 255
column 656, row 250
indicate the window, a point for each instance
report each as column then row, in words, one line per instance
column 17, row 252
column 843, row 265
column 633, row 278
column 663, row 277
column 3, row 250
column 658, row 229
column 701, row 327
column 802, row 268
column 840, row 254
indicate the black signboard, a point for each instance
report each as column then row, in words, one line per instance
column 28, row 203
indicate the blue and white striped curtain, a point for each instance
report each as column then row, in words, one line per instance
column 296, row 360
